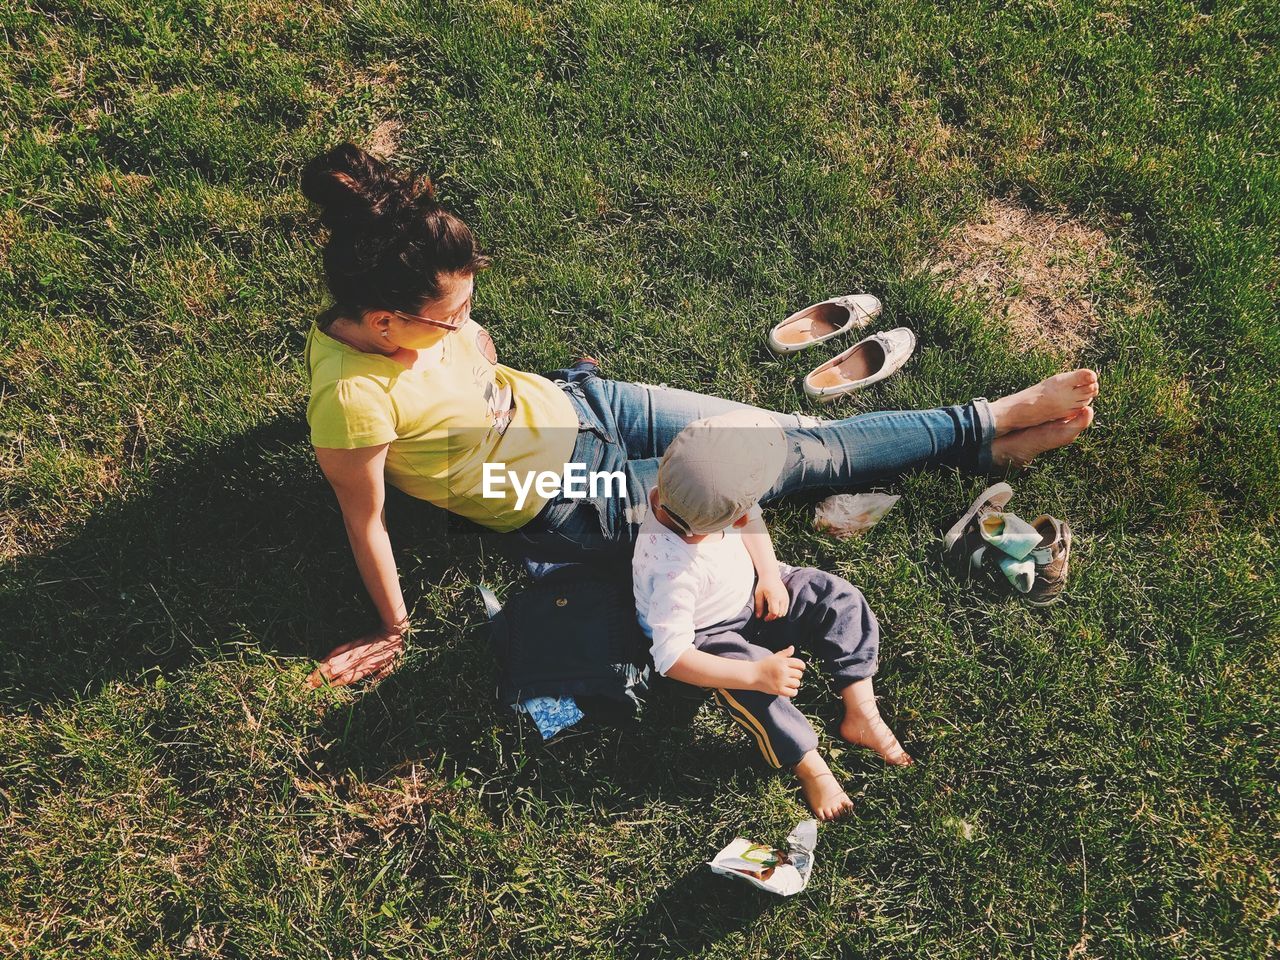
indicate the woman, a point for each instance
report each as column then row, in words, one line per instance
column 406, row 387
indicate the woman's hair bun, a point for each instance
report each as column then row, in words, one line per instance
column 389, row 240
column 355, row 189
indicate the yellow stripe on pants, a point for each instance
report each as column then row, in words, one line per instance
column 745, row 726
column 743, row 716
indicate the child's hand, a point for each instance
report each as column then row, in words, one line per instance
column 779, row 674
column 771, row 596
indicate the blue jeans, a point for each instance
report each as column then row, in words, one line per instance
column 627, row 426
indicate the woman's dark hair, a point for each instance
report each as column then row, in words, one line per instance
column 389, row 239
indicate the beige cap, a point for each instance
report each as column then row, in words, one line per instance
column 718, row 468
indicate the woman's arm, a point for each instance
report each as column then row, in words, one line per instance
column 357, row 479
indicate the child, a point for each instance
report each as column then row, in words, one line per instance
column 723, row 613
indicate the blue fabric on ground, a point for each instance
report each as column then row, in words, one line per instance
column 552, row 714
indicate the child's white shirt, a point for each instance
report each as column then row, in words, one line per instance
column 682, row 587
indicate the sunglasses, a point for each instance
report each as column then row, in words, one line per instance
column 445, row 324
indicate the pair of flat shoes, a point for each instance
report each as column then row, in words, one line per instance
column 868, row 361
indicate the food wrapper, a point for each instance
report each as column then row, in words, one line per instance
column 778, row 871
column 848, row 515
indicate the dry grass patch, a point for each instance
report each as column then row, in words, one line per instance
column 12, row 228
column 385, row 139
column 1047, row 274
column 358, row 812
column 126, row 182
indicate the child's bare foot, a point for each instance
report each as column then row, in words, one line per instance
column 862, row 724
column 1019, row 448
column 822, row 791
column 1051, row 399
column 876, row 735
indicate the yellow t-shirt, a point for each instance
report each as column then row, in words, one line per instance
column 444, row 420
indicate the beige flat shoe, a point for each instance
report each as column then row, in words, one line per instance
column 822, row 321
column 868, row 361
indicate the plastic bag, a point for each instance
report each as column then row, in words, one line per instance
column 848, row 515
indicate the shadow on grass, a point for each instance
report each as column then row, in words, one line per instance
column 440, row 708
column 242, row 544
column 691, row 913
column 445, row 717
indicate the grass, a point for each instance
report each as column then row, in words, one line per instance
column 658, row 184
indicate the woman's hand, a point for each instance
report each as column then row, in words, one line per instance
column 772, row 600
column 779, row 674
column 373, row 655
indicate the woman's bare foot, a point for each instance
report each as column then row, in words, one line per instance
column 863, row 726
column 822, row 791
column 1019, row 448
column 1051, row 399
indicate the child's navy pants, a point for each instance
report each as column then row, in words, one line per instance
column 828, row 620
